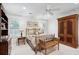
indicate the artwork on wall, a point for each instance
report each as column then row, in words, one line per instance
column 14, row 28
column 14, row 24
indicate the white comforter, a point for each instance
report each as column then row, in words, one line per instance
column 42, row 36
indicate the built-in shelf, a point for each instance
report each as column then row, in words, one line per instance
column 5, row 43
column 3, row 24
column 3, row 29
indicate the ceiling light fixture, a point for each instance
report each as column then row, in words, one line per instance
column 24, row 7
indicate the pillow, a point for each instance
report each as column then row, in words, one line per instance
column 49, row 37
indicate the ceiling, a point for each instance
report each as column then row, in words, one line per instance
column 24, row 9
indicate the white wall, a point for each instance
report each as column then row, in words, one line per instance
column 53, row 25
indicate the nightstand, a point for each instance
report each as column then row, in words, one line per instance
column 21, row 40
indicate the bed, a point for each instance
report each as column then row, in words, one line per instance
column 33, row 40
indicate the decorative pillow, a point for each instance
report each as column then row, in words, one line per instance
column 50, row 37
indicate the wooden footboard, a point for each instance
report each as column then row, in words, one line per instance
column 47, row 44
column 31, row 45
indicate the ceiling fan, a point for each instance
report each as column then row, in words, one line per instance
column 51, row 10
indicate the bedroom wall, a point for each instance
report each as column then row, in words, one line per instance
column 53, row 26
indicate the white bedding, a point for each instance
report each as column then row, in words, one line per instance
column 42, row 37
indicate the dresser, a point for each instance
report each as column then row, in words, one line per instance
column 68, row 30
column 5, row 47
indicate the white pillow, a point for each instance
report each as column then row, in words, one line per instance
column 50, row 37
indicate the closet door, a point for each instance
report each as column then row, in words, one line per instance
column 71, row 31
column 61, row 30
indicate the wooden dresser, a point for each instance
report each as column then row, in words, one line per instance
column 5, row 47
column 68, row 30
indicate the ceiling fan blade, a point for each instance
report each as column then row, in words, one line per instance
column 51, row 13
column 55, row 9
